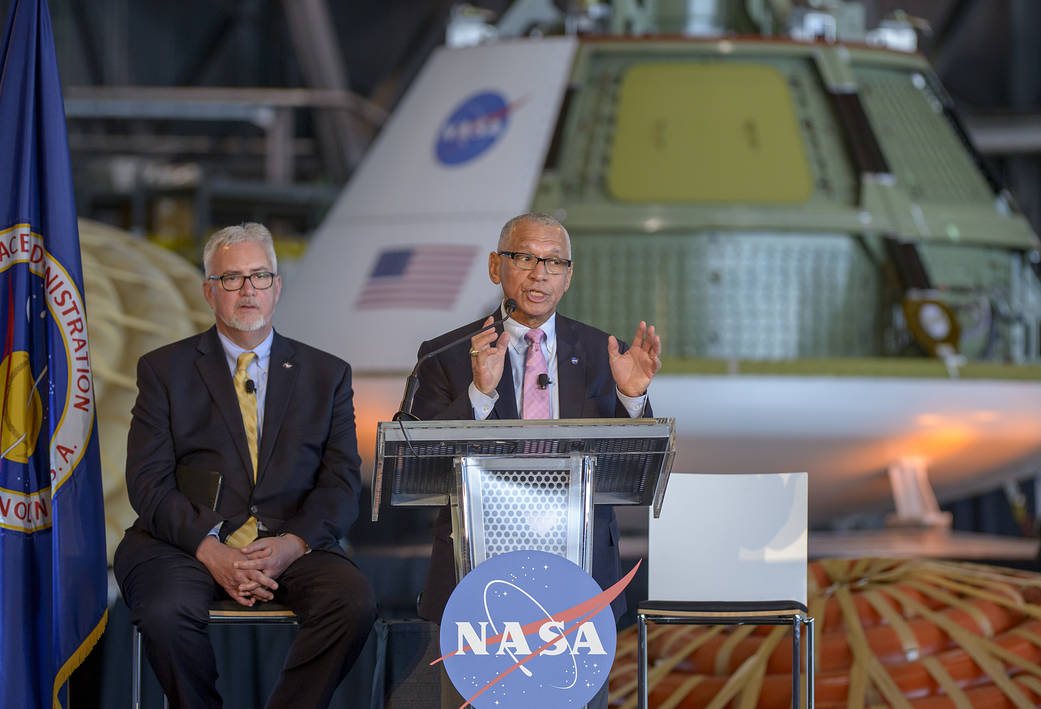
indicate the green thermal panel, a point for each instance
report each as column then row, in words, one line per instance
column 690, row 132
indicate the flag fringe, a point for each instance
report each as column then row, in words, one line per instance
column 78, row 657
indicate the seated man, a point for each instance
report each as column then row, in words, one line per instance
column 275, row 419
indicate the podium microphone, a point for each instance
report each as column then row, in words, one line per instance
column 412, row 385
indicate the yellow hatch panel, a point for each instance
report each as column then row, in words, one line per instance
column 696, row 132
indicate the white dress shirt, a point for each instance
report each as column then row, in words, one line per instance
column 257, row 370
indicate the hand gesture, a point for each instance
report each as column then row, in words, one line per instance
column 488, row 358
column 222, row 562
column 634, row 370
column 270, row 556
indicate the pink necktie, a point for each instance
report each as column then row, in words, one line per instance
column 536, row 400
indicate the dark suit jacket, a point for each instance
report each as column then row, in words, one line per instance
column 186, row 414
column 586, row 390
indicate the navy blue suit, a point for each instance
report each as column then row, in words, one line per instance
column 187, row 416
column 586, row 390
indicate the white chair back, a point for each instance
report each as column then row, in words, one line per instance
column 730, row 538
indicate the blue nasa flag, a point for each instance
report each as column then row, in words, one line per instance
column 52, row 539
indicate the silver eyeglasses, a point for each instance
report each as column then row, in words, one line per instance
column 261, row 280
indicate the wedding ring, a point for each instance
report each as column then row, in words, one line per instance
column 473, row 352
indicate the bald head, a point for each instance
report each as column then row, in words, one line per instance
column 532, row 219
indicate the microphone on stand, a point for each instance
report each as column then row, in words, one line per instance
column 412, row 385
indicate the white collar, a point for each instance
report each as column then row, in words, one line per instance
column 518, row 331
column 262, row 350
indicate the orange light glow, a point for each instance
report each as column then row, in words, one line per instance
column 944, row 440
column 375, row 399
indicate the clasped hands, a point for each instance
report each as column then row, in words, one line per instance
column 248, row 574
column 632, row 370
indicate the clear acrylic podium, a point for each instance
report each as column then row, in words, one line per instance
column 515, row 484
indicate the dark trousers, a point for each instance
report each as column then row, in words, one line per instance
column 169, row 598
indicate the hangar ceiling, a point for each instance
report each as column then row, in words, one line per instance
column 150, row 115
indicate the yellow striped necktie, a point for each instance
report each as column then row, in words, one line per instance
column 248, row 406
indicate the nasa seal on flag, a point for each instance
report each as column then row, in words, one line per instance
column 44, row 377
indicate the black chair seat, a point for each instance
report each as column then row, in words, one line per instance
column 721, row 609
column 229, row 611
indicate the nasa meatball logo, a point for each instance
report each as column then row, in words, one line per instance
column 529, row 629
column 473, row 127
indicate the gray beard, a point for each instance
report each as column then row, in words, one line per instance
column 245, row 323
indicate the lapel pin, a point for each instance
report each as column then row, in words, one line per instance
column 574, row 360
column 287, row 365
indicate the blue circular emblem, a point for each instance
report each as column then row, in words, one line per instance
column 472, row 128
column 46, row 390
column 528, row 629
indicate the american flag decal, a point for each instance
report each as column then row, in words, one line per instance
column 429, row 277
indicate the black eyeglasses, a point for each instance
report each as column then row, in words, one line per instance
column 529, row 262
column 261, row 280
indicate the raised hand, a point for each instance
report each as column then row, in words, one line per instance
column 488, row 358
column 634, row 370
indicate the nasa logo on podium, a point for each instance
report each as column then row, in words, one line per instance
column 473, row 127
column 529, row 628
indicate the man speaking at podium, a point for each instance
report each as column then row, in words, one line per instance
column 536, row 365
